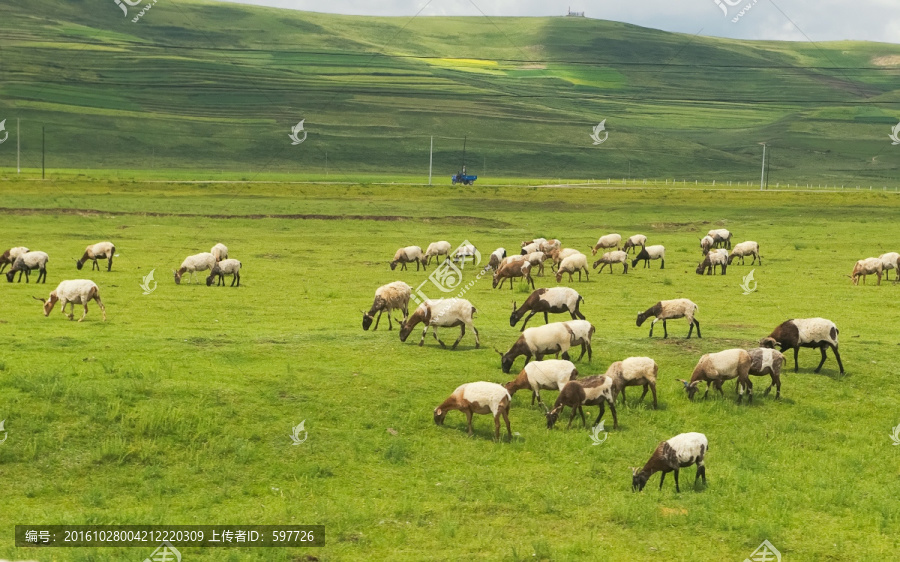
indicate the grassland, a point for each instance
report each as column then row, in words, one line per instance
column 214, row 89
column 178, row 409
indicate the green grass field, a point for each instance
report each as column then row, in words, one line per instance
column 179, row 408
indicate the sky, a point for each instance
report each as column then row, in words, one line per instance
column 789, row 20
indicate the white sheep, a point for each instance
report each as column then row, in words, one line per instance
column 670, row 310
column 225, row 267
column 721, row 236
column 817, row 333
column 436, row 249
column 889, row 261
column 678, row 452
column 536, row 259
column 551, row 374
column 219, row 251
column 28, row 262
column 716, row 368
column 610, row 258
column 706, row 243
column 608, row 241
column 441, row 313
column 868, row 266
column 407, row 255
column 576, row 262
column 634, row 371
column 9, row 256
column 581, row 331
column 634, row 242
column 748, row 248
column 390, row 297
column 98, row 251
column 559, row 254
column 195, row 263
column 477, row 398
column 72, row 292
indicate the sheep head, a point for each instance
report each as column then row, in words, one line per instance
column 690, row 387
column 439, row 416
column 638, row 480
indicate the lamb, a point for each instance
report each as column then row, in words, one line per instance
column 711, row 260
column 706, row 243
column 889, row 261
column 407, row 255
column 436, row 249
column 678, row 452
column 648, row 253
column 534, row 343
column 222, row 268
column 464, row 252
column 192, row 264
column 610, row 258
column 595, row 390
column 573, row 263
column 477, row 398
column 552, row 374
column 513, row 269
column 634, row 242
column 608, row 241
column 559, row 254
column 765, row 361
column 388, row 298
column 441, row 313
column 582, row 331
column 496, row 257
column 28, row 262
column 721, row 237
column 76, row 291
column 748, row 248
column 9, row 256
column 548, row 246
column 634, row 371
column 536, row 259
column 805, row 332
column 98, row 251
column 220, row 252
column 556, row 300
column 670, row 310
column 716, row 368
column 868, row 266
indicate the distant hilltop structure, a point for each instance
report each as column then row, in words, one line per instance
column 572, row 14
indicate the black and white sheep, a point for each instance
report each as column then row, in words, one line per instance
column 390, row 297
column 721, row 237
column 670, row 310
column 477, row 398
column 555, row 300
column 28, row 262
column 711, row 260
column 496, row 257
column 634, row 242
column 672, row 455
column 610, row 258
column 222, row 268
column 816, row 333
column 648, row 253
column 9, row 256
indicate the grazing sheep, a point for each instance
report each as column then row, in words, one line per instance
column 596, row 390
column 225, row 267
column 28, row 262
column 555, row 300
column 76, row 291
column 537, row 241
column 648, row 253
column 220, row 252
column 711, row 260
column 889, row 261
column 559, row 254
column 608, row 241
column 388, row 298
column 748, row 248
column 464, row 252
column 9, row 256
column 805, row 332
column 582, row 331
column 678, row 452
column 573, row 263
column 407, row 255
column 868, row 266
column 536, row 259
column 477, row 398
column 670, row 310
column 634, row 242
column 548, row 246
column 98, row 251
column 532, row 247
column 555, row 338
column 721, row 237
column 441, row 313
column 496, row 257
column 192, row 264
column 610, row 258
column 716, row 368
column 706, row 243
column 552, row 374
column 634, row 371
column 513, row 269
column 765, row 361
column 436, row 249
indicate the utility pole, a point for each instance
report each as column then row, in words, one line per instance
column 762, row 177
column 430, row 159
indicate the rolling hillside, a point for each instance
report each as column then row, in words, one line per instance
column 212, row 87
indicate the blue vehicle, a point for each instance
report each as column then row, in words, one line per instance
column 461, row 176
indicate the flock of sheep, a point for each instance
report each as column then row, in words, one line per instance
column 82, row 291
column 556, row 338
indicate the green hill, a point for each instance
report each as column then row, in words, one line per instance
column 213, row 87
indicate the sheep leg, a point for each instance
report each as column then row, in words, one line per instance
column 572, row 417
column 469, row 421
column 677, row 489
column 662, row 479
column 425, row 333
column 527, row 318
column 236, row 279
column 665, row 330
column 109, row 265
column 94, row 265
column 838, row 357
column 697, row 322
column 796, row 353
column 623, row 395
column 530, row 280
column 662, row 264
column 462, row 332
column 434, row 333
column 505, row 413
column 100, row 304
column 655, row 320
column 822, row 362
column 497, row 426
column 646, row 388
column 477, row 342
column 85, row 310
column 653, row 389
column 701, row 472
